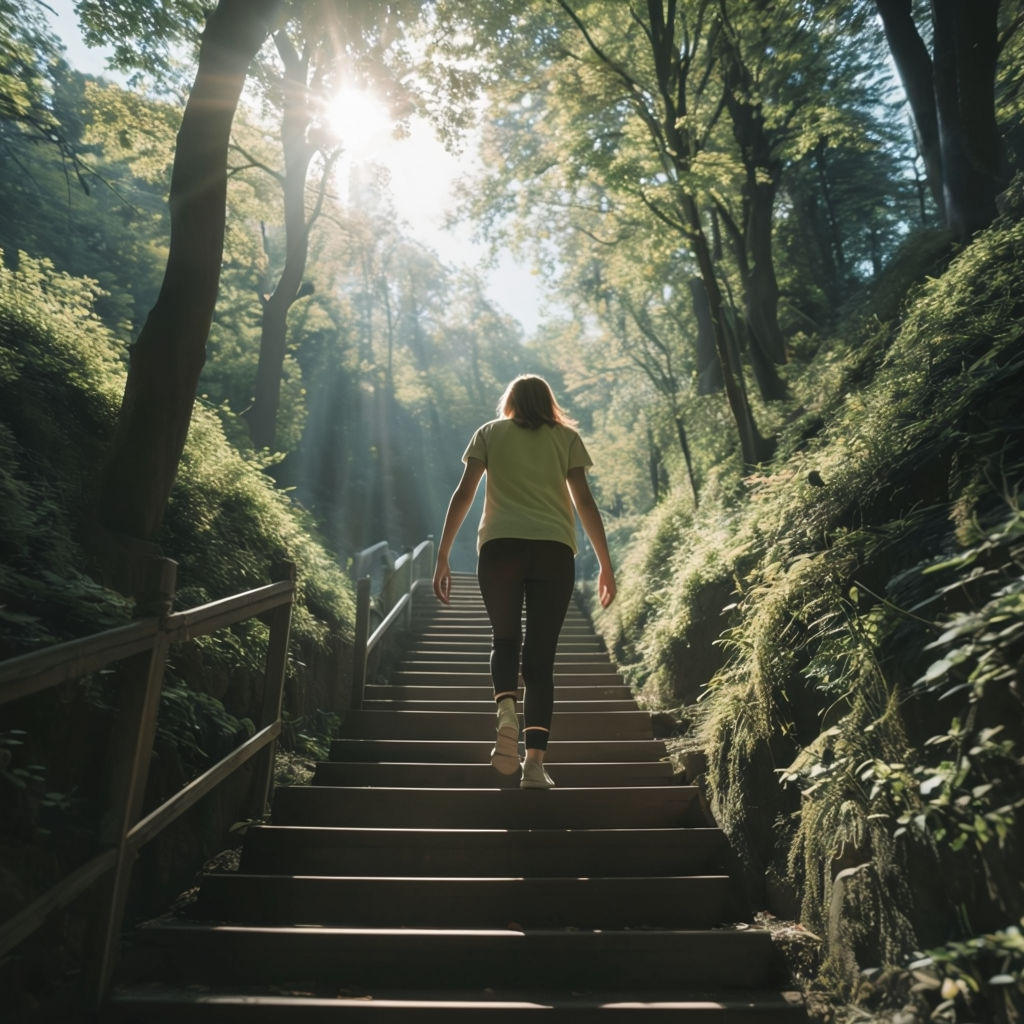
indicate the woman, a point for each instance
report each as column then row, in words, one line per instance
column 526, row 544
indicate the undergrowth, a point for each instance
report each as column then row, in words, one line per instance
column 61, row 379
column 864, row 600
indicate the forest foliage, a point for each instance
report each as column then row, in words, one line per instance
column 800, row 388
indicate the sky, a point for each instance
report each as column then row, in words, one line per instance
column 422, row 199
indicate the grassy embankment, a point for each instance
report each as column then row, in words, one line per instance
column 841, row 639
column 61, row 380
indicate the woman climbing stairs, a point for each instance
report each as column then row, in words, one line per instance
column 412, row 882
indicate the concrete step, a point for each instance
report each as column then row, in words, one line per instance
column 479, row 751
column 481, row 677
column 155, row 1005
column 361, row 958
column 486, row 706
column 469, row 725
column 439, row 852
column 350, row 806
column 566, row 642
column 475, row 652
column 483, row 776
column 695, row 901
column 485, row 692
column 528, row 853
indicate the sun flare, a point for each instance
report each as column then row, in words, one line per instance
column 359, row 121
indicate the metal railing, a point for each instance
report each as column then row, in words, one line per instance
column 140, row 651
column 394, row 600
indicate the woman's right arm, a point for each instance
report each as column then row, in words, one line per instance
column 593, row 526
column 458, row 509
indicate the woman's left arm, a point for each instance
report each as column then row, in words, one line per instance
column 458, row 509
column 593, row 526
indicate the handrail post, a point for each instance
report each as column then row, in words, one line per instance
column 410, row 578
column 128, row 762
column 279, row 623
column 359, row 646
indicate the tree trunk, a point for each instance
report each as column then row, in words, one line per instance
column 761, row 289
column 966, row 49
column 684, row 447
column 953, row 101
column 753, row 244
column 914, row 67
column 709, row 367
column 166, row 360
column 653, row 465
column 754, row 447
column 295, row 120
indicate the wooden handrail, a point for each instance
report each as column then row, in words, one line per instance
column 140, row 650
column 397, row 596
column 41, row 670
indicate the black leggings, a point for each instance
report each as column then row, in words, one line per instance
column 543, row 573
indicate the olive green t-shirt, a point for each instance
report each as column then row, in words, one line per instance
column 526, row 494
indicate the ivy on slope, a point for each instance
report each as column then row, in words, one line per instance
column 61, row 380
column 847, row 639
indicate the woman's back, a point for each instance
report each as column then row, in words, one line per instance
column 526, row 492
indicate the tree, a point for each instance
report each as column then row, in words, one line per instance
column 952, row 96
column 318, row 49
column 299, row 145
column 166, row 360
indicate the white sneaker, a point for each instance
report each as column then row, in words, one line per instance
column 505, row 755
column 535, row 777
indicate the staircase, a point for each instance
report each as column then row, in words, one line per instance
column 411, row 881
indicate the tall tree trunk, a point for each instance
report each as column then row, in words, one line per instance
column 754, row 447
column 966, row 48
column 166, row 360
column 914, row 67
column 684, row 447
column 761, row 288
column 709, row 367
column 952, row 97
column 653, row 465
column 295, row 120
column 753, row 243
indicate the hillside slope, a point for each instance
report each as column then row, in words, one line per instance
column 61, row 380
column 841, row 639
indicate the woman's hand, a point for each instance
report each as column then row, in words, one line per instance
column 606, row 586
column 442, row 581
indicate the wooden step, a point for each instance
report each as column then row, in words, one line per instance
column 485, row 692
column 483, row 776
column 478, row 626
column 479, row 751
column 575, row 656
column 583, row 642
column 469, row 725
column 528, row 853
column 634, row 807
column 427, row 959
column 478, row 630
column 695, row 901
column 563, row 666
column 486, row 707
column 406, row 677
column 155, row 1005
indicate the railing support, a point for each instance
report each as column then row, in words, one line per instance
column 140, row 652
column 278, row 621
column 361, row 646
column 408, row 577
column 141, row 683
column 396, row 596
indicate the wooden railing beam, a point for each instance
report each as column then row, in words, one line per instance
column 140, row 651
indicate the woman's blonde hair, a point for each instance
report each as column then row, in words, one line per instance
column 530, row 401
